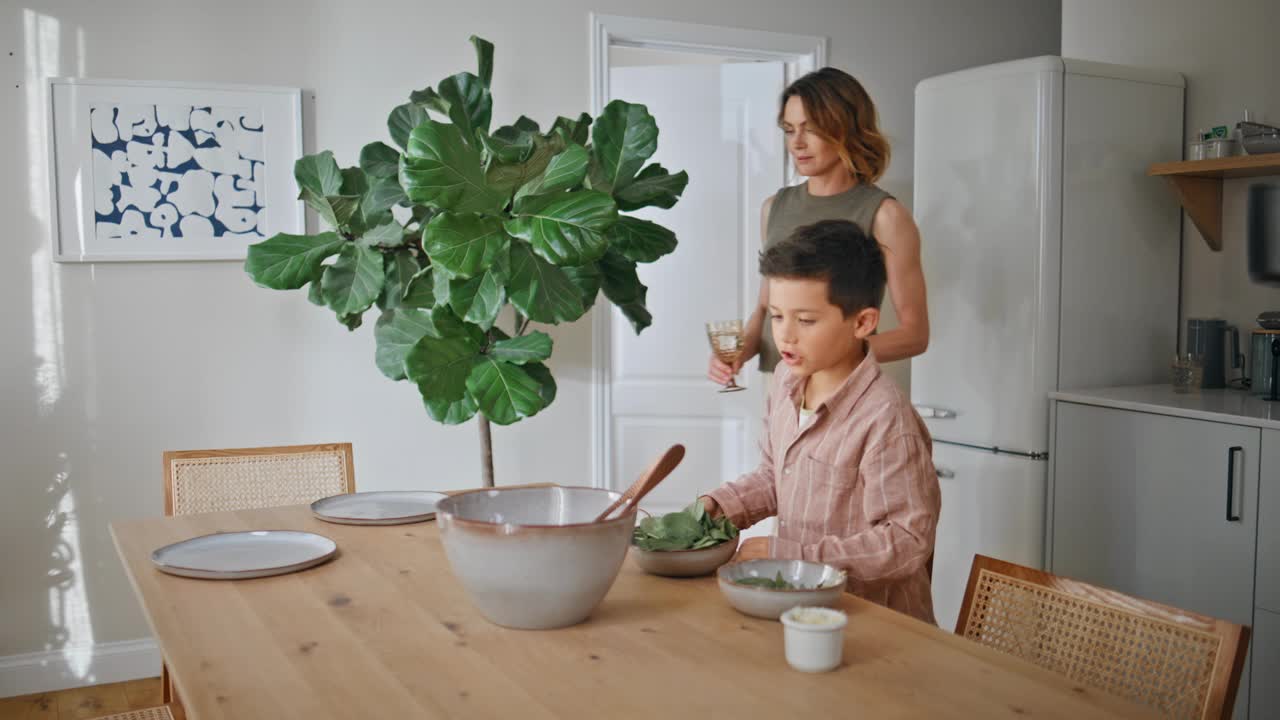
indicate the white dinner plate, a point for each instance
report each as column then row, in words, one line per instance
column 241, row 555
column 395, row 507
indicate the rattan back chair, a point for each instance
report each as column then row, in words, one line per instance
column 1181, row 664
column 197, row 481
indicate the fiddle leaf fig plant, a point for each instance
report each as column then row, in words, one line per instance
column 456, row 221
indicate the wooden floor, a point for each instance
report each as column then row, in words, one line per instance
column 86, row 702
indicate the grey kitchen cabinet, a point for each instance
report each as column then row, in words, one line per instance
column 1268, row 590
column 1265, row 700
column 1160, row 507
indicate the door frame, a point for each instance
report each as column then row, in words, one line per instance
column 800, row 54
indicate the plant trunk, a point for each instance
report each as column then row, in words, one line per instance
column 486, row 451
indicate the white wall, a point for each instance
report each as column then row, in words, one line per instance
column 1229, row 56
column 105, row 366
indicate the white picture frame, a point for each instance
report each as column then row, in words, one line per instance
column 159, row 171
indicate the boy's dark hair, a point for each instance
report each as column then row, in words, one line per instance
column 837, row 251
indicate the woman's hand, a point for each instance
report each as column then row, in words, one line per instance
column 756, row 548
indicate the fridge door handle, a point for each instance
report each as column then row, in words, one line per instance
column 944, row 473
column 928, row 411
column 1231, row 482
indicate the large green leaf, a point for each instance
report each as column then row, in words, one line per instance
column 531, row 348
column 354, row 182
column 396, row 332
column 344, row 208
column 442, row 170
column 622, row 286
column 287, row 262
column 566, row 228
column 380, row 160
column 653, row 186
column 470, row 105
column 547, row 383
column 480, row 299
column 452, row 413
column 504, row 392
column 505, row 177
column 399, row 268
column 318, row 173
column 507, row 145
column 389, row 235
column 420, row 291
column 577, row 131
column 321, row 205
column 640, row 240
column 351, row 284
column 402, row 122
column 464, row 244
column 624, row 136
column 587, row 279
column 540, row 290
column 565, row 172
column 383, row 194
column 484, row 58
column 428, row 99
column 440, row 367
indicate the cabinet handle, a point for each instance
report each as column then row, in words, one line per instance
column 1231, row 482
column 944, row 473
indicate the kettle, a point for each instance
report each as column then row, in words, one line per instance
column 1206, row 339
column 1265, row 362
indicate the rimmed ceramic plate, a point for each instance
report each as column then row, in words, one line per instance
column 243, row 555
column 395, row 507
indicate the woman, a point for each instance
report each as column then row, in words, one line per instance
column 829, row 123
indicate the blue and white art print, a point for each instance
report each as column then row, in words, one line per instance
column 155, row 172
column 177, row 171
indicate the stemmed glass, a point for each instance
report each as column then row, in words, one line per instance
column 727, row 344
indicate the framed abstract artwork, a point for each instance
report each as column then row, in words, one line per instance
column 164, row 171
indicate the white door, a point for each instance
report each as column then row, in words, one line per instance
column 991, row 505
column 718, row 122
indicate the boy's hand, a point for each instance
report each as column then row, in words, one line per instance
column 720, row 372
column 711, row 506
column 756, row 548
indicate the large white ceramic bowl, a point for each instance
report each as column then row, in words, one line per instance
column 822, row 586
column 531, row 558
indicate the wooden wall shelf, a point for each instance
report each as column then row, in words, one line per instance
column 1198, row 185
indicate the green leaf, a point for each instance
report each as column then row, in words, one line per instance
column 287, row 262
column 321, row 205
column 531, row 348
column 318, row 173
column 507, row 144
column 547, row 383
column 351, row 284
column 399, row 268
column 351, row 320
column 402, row 122
column 344, row 207
column 565, row 172
column 540, row 290
column 440, row 367
column 442, row 170
column 420, row 291
column 504, row 392
column 653, row 186
column 383, row 194
column 314, row 295
column 587, row 279
column 577, row 132
column 470, row 105
column 568, row 228
column 452, row 413
column 354, row 182
column 624, row 137
column 480, row 299
column 622, row 286
column 396, row 332
column 505, row 178
column 484, row 58
column 526, row 124
column 464, row 244
column 429, row 99
column 380, row 160
column 440, row 284
column 640, row 240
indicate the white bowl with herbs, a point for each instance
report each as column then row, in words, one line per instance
column 686, row 543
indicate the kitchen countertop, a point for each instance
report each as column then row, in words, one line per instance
column 1229, row 406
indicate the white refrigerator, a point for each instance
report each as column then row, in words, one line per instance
column 1051, row 261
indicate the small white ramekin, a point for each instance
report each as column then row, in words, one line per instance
column 814, row 648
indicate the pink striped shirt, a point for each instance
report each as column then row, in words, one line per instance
column 853, row 487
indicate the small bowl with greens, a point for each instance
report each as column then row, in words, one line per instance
column 687, row 543
column 768, row 588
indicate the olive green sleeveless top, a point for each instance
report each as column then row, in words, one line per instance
column 793, row 207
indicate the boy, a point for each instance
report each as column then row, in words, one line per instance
column 845, row 460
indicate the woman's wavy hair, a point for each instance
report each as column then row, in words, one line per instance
column 841, row 112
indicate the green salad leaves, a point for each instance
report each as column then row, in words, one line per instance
column 688, row 529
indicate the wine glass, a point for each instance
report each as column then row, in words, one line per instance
column 727, row 344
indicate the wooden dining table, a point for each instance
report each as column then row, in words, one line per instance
column 384, row 630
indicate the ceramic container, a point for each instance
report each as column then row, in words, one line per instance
column 822, row 586
column 684, row 563
column 814, row 638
